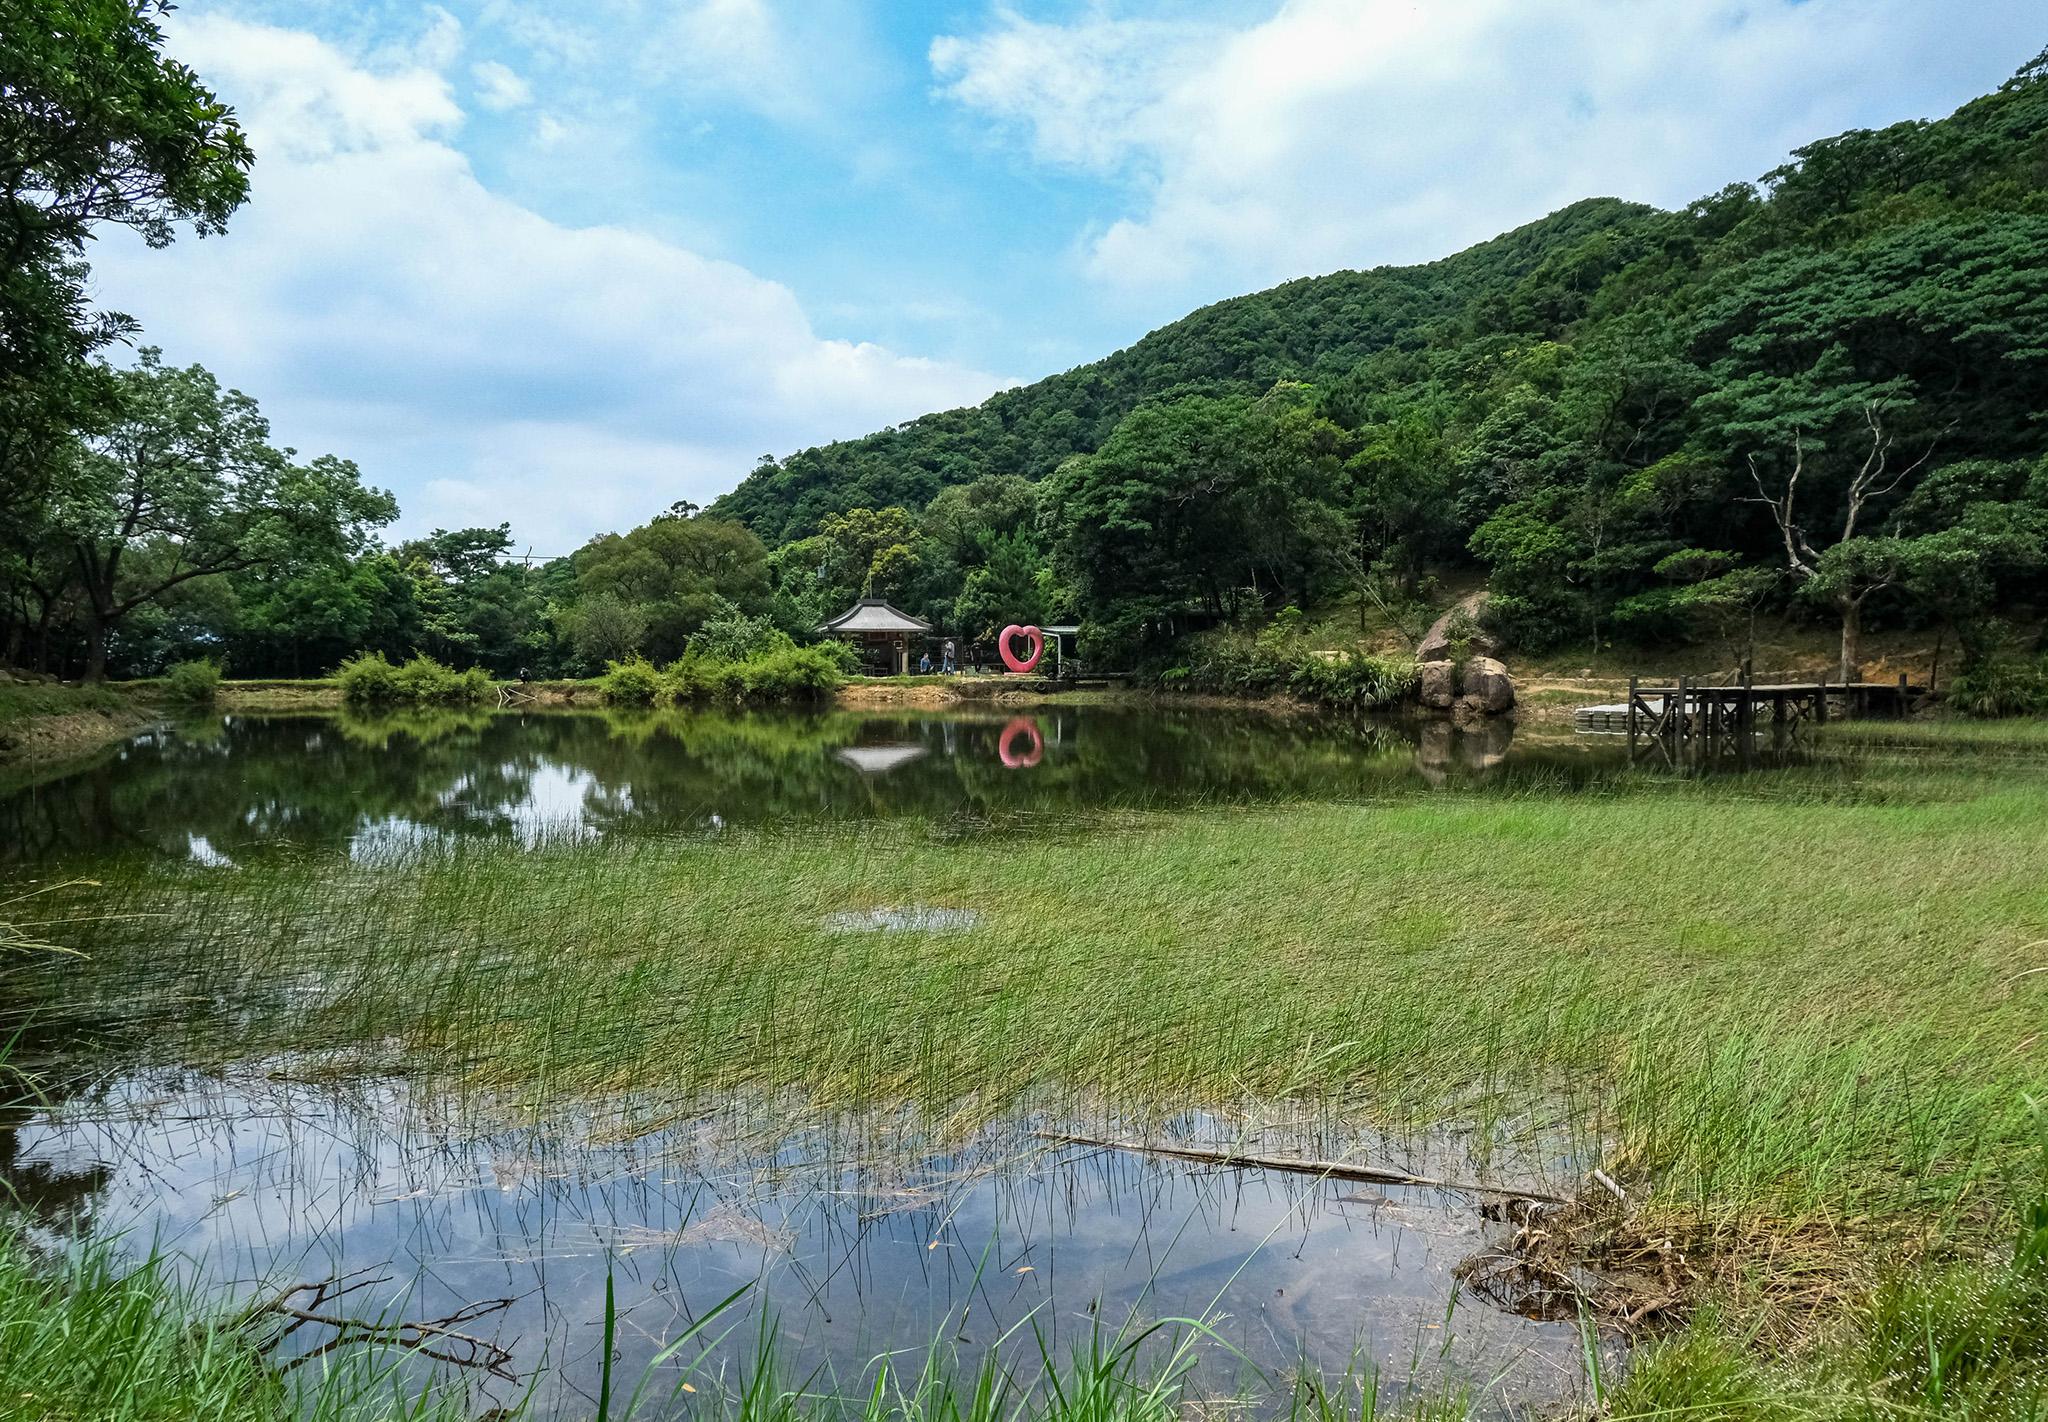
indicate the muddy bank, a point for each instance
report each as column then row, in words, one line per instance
column 53, row 731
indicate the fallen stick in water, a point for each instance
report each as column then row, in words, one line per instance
column 1333, row 1169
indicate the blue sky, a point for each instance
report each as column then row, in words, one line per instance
column 564, row 263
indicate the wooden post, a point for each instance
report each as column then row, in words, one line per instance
column 1820, row 702
column 1745, row 719
column 1632, row 680
column 1678, row 726
column 1905, row 695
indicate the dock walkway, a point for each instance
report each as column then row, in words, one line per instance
column 1683, row 708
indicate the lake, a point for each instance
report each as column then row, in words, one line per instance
column 236, row 1070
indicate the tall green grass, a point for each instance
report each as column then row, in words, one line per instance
column 85, row 1336
column 1762, row 1005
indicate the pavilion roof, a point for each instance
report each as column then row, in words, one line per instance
column 872, row 614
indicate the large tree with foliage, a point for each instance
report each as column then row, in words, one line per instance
column 183, row 483
column 675, row 574
column 97, row 128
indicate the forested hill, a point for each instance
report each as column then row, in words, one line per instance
column 1587, row 267
column 1307, row 329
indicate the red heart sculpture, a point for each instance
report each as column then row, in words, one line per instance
column 1017, row 664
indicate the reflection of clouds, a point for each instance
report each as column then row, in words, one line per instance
column 878, row 760
column 200, row 851
column 858, row 1237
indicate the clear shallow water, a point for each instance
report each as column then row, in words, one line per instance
column 857, row 1239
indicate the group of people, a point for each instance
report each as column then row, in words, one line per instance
column 947, row 666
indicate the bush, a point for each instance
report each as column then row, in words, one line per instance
column 2001, row 685
column 732, row 636
column 367, row 679
column 1233, row 663
column 791, row 674
column 634, row 682
column 194, row 682
column 1356, row 681
column 784, row 673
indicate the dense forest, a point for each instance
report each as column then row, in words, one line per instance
column 1819, row 396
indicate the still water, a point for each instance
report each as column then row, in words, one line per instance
column 234, row 785
column 854, row 1238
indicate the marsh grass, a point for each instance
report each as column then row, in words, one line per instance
column 1785, row 1006
column 1801, row 1017
column 86, row 1334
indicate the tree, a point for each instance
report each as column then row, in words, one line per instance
column 602, row 629
column 676, row 573
column 1006, row 588
column 97, row 128
column 183, row 483
column 1716, row 596
column 1844, row 573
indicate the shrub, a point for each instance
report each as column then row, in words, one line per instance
column 634, row 682
column 194, row 682
column 1356, row 681
column 790, row 674
column 2001, row 685
column 1276, row 660
column 367, row 679
column 732, row 636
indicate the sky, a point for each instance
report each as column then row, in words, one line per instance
column 562, row 264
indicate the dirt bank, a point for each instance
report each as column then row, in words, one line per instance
column 40, row 724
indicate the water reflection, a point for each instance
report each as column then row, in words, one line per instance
column 218, row 789
column 855, row 1237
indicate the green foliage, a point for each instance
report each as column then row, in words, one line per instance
column 194, row 682
column 790, row 674
column 732, row 636
column 182, row 483
column 369, row 679
column 633, row 682
column 776, row 672
column 98, row 129
column 2001, row 684
column 1575, row 407
column 1277, row 662
column 675, row 574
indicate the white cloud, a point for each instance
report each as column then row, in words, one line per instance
column 1351, row 132
column 1085, row 94
column 498, row 88
column 382, row 303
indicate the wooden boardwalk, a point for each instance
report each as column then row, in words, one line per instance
column 1684, row 709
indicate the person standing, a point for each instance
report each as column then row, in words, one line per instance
column 946, row 658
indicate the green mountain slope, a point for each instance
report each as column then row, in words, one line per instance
column 1311, row 328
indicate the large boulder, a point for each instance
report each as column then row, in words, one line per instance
column 1439, row 686
column 1488, row 687
column 1436, row 642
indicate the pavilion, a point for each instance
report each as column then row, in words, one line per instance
column 880, row 633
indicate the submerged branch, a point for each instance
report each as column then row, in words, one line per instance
column 1333, row 1169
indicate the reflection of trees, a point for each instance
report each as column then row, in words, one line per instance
column 309, row 782
column 230, row 786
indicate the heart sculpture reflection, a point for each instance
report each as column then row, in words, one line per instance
column 1015, row 663
column 1022, row 744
